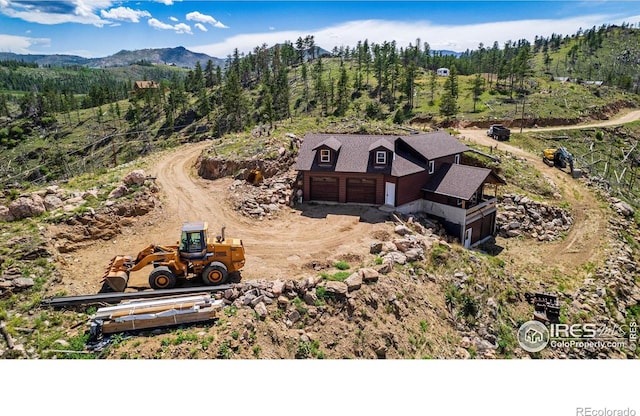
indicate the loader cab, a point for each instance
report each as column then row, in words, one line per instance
column 193, row 240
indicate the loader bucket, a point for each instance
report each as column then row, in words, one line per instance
column 117, row 274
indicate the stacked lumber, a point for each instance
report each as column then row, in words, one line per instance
column 155, row 313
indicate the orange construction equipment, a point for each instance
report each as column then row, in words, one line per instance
column 195, row 255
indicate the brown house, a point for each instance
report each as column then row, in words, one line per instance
column 145, row 85
column 408, row 173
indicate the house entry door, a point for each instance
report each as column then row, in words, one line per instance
column 390, row 194
column 467, row 237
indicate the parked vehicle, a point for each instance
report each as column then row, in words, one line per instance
column 499, row 132
column 194, row 255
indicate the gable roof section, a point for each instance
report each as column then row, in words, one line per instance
column 331, row 142
column 355, row 148
column 460, row 181
column 435, row 145
column 381, row 143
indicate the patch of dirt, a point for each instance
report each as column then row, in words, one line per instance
column 278, row 248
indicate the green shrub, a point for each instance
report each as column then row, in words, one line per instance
column 341, row 265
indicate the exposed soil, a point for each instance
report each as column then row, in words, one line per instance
column 289, row 245
column 283, row 247
column 586, row 240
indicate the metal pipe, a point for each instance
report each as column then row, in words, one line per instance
column 99, row 298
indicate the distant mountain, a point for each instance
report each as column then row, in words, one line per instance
column 178, row 56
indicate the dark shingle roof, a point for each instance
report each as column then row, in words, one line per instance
column 354, row 150
column 435, row 145
column 331, row 142
column 460, row 181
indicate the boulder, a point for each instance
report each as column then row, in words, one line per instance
column 136, row 177
column 339, row 288
column 310, row 297
column 120, row 191
column 261, row 310
column 369, row 275
column 23, row 282
column 26, row 207
column 5, row 214
column 624, row 209
column 277, row 288
column 354, row 282
column 402, row 230
column 52, row 202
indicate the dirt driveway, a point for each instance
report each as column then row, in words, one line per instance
column 289, row 245
column 587, row 239
column 284, row 247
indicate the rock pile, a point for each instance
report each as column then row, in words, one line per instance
column 521, row 216
column 51, row 199
column 296, row 297
column 59, row 201
column 16, row 276
column 107, row 221
column 265, row 199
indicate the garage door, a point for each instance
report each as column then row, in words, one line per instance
column 361, row 190
column 324, row 188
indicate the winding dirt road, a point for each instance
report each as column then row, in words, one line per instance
column 587, row 239
column 289, row 245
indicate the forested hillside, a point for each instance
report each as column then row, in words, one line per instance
column 51, row 114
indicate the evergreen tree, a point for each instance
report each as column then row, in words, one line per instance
column 342, row 103
column 477, row 88
column 209, row 75
column 448, row 105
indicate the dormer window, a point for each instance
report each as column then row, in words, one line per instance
column 432, row 166
column 456, row 159
column 325, row 156
column 381, row 157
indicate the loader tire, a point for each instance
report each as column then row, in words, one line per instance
column 215, row 274
column 162, row 278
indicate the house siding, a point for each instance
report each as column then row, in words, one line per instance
column 409, row 188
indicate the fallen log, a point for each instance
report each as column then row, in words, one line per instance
column 7, row 335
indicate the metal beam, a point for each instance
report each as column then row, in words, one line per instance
column 101, row 298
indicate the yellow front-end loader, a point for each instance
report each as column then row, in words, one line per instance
column 195, row 256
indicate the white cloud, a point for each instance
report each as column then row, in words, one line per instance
column 21, row 44
column 183, row 28
column 125, row 13
column 157, row 24
column 51, row 13
column 201, row 27
column 180, row 28
column 205, row 18
column 165, row 2
column 439, row 36
column 173, row 19
column 199, row 17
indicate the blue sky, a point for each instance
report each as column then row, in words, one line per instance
column 97, row 28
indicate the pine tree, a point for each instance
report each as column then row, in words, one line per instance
column 343, row 94
column 448, row 105
column 477, row 88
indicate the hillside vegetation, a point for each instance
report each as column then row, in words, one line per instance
column 73, row 133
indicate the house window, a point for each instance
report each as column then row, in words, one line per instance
column 459, row 202
column 456, row 159
column 381, row 158
column 325, row 156
column 432, row 166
